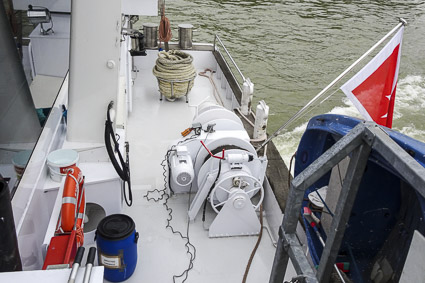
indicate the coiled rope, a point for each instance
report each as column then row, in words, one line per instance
column 174, row 68
column 165, row 33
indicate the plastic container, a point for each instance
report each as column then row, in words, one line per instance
column 116, row 240
column 59, row 161
column 20, row 160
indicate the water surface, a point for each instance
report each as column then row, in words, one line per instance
column 293, row 49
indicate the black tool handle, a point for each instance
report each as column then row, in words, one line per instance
column 79, row 256
column 92, row 254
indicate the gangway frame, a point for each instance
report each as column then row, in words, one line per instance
column 358, row 142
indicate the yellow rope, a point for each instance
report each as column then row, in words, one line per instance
column 173, row 67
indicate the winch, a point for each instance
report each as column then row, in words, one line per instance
column 219, row 163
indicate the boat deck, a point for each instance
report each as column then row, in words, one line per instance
column 153, row 126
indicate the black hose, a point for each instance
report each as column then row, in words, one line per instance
column 122, row 167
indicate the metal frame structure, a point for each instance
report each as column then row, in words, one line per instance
column 172, row 82
column 358, row 143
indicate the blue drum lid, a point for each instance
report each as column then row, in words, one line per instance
column 116, row 227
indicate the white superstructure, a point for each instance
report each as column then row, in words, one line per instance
column 102, row 70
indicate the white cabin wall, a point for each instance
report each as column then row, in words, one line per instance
column 94, row 67
column 140, row 7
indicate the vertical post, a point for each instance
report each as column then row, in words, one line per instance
column 281, row 259
column 345, row 203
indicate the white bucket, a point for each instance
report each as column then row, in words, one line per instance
column 59, row 161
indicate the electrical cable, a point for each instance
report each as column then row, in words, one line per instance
column 163, row 195
column 188, row 243
column 123, row 167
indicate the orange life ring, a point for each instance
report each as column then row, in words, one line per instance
column 73, row 197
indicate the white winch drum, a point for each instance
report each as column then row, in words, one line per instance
column 205, row 106
column 224, row 189
column 212, row 113
column 59, row 161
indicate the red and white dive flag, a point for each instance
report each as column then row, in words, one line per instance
column 372, row 89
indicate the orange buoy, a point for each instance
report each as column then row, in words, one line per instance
column 73, row 204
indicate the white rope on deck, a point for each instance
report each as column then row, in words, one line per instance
column 175, row 73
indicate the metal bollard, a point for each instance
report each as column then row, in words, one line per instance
column 185, row 36
column 150, row 32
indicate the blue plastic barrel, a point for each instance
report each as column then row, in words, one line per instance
column 116, row 240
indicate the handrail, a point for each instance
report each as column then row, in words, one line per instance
column 228, row 54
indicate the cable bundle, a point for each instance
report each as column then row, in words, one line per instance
column 174, row 69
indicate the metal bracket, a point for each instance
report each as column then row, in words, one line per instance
column 358, row 142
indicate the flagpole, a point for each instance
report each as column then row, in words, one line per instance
column 400, row 24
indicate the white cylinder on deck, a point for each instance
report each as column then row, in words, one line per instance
column 262, row 115
column 247, row 93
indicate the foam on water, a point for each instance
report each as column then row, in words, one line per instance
column 408, row 112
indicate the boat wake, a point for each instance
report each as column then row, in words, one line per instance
column 408, row 114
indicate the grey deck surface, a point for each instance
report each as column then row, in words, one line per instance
column 153, row 126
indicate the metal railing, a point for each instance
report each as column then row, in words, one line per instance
column 217, row 38
column 358, row 142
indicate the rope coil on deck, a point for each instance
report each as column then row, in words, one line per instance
column 175, row 73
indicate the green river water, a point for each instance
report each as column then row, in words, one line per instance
column 292, row 49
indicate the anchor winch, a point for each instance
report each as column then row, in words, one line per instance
column 219, row 163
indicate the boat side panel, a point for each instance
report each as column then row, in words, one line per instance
column 31, row 205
